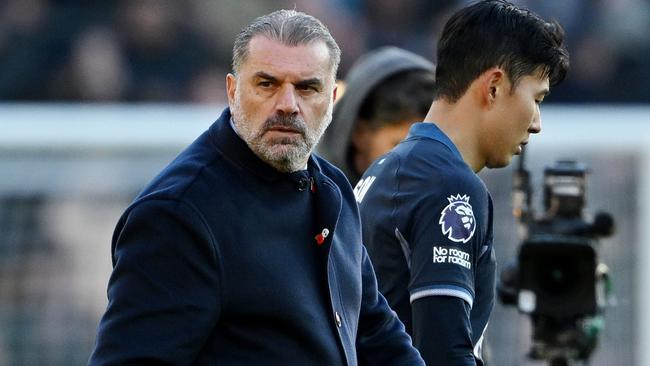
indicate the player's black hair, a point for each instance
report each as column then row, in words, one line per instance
column 497, row 33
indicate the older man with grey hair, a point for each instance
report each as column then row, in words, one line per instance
column 246, row 249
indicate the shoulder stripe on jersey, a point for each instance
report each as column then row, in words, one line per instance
column 406, row 248
column 444, row 290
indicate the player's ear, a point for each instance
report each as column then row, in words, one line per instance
column 493, row 83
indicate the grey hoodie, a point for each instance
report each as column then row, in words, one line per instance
column 366, row 74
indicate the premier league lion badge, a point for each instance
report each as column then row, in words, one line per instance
column 457, row 219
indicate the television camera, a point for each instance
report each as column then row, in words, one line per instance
column 557, row 279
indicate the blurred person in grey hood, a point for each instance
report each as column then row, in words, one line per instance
column 386, row 91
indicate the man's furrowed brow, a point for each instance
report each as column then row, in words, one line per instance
column 265, row 76
column 316, row 82
column 311, row 82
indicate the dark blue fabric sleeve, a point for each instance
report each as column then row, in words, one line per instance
column 164, row 290
column 443, row 247
column 381, row 339
column 442, row 331
column 446, row 232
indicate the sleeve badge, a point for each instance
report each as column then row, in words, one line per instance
column 457, row 219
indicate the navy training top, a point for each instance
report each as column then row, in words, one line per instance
column 427, row 225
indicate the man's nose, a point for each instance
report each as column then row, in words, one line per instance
column 287, row 101
column 536, row 125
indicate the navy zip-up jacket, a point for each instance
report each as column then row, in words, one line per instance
column 223, row 260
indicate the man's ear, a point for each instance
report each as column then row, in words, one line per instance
column 493, row 85
column 231, row 87
column 340, row 90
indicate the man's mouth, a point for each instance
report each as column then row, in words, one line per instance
column 284, row 129
column 520, row 147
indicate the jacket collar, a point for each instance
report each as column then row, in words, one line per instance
column 237, row 151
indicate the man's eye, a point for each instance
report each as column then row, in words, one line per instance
column 265, row 84
column 306, row 88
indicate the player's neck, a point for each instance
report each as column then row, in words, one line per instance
column 459, row 122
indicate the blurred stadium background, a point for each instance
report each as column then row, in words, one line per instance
column 97, row 96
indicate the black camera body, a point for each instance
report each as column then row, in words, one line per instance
column 557, row 278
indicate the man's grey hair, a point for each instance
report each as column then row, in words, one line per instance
column 289, row 27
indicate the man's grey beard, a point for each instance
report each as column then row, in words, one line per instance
column 286, row 154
